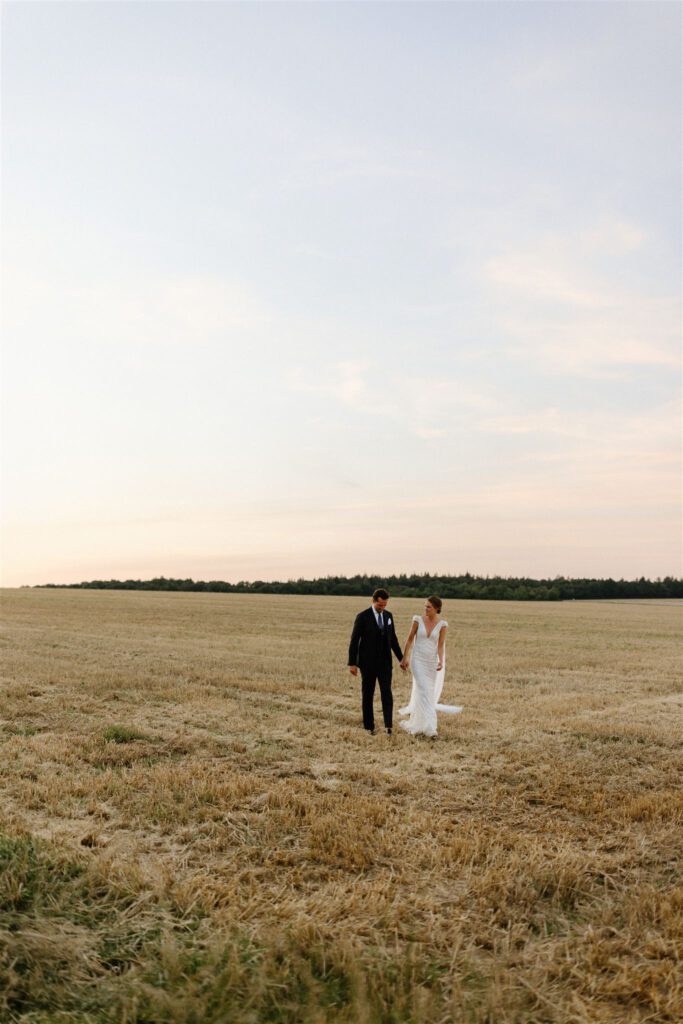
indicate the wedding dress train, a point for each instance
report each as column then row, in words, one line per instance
column 427, row 682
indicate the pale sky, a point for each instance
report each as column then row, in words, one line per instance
column 317, row 288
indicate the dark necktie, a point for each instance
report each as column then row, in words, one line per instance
column 380, row 621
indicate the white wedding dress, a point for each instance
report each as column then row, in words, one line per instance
column 427, row 682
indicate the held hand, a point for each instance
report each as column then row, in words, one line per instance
column 439, row 665
column 353, row 669
column 404, row 664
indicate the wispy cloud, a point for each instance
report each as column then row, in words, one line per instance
column 654, row 427
column 613, row 237
column 427, row 407
column 569, row 313
column 345, row 381
column 183, row 310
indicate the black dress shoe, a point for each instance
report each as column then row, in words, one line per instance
column 389, row 732
column 371, row 731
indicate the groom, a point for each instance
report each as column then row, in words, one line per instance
column 372, row 641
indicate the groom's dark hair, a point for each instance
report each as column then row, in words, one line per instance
column 381, row 595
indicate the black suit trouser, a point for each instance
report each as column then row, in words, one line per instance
column 370, row 675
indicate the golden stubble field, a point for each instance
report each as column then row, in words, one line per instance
column 195, row 828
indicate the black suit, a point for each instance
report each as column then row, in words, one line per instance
column 370, row 649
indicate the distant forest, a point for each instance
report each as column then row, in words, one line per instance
column 482, row 588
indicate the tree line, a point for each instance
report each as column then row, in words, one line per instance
column 484, row 588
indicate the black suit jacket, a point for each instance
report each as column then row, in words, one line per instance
column 370, row 647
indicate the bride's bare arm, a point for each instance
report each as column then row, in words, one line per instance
column 408, row 645
column 441, row 649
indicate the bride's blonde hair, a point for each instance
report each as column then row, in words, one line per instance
column 435, row 602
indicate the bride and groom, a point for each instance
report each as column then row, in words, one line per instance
column 372, row 641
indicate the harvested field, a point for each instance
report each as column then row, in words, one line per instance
column 195, row 828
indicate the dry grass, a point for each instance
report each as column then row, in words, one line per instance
column 196, row 829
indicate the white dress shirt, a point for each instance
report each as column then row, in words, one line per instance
column 377, row 615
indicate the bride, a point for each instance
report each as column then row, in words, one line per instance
column 427, row 637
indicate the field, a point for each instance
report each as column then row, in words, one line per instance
column 195, row 828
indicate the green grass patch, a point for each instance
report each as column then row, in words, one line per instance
column 123, row 734
column 21, row 730
column 76, row 946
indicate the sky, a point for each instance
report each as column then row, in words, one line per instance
column 297, row 289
